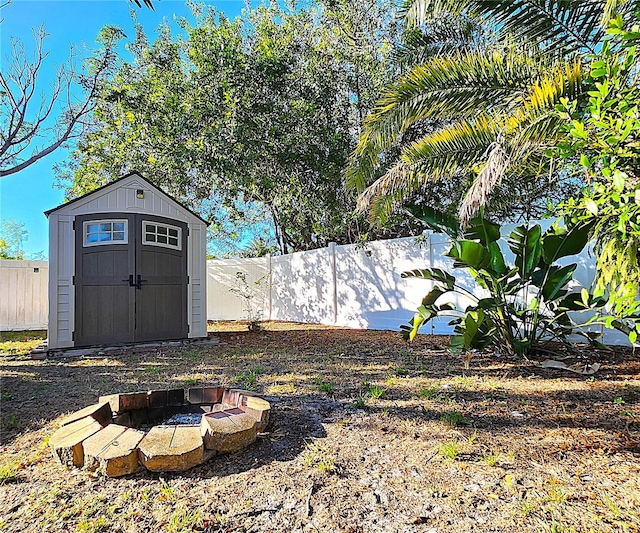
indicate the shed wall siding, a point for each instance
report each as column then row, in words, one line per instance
column 123, row 199
column 197, row 267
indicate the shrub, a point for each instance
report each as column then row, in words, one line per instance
column 525, row 304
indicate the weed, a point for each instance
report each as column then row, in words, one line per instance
column 618, row 401
column 183, row 520
column 402, row 372
column 360, row 402
column 319, row 457
column 527, row 508
column 391, row 381
column 191, row 355
column 326, row 386
column 556, row 493
column 166, row 491
column 12, row 422
column 454, row 419
column 556, row 527
column 449, row 450
column 286, row 388
column 91, row 526
column 4, row 396
column 508, row 482
column 611, row 505
column 430, row 393
column 9, row 472
column 375, row 392
column 491, row 459
column 192, row 381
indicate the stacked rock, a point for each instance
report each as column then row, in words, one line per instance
column 104, row 435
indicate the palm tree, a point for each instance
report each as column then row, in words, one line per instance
column 494, row 105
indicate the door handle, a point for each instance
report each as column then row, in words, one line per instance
column 130, row 280
column 139, row 282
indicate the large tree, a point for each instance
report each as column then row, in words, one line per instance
column 489, row 109
column 252, row 116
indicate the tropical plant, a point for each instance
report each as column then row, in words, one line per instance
column 523, row 305
column 492, row 107
column 603, row 142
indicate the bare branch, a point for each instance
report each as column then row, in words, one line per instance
column 22, row 126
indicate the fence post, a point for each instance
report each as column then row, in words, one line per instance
column 334, row 279
column 269, row 271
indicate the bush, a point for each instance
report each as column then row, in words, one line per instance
column 525, row 304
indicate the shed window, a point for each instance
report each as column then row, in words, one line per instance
column 97, row 232
column 155, row 234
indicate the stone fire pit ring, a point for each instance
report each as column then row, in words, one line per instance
column 193, row 425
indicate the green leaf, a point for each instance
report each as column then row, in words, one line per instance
column 470, row 253
column 438, row 221
column 591, row 206
column 559, row 241
column 618, row 180
column 434, row 274
column 526, row 244
column 557, row 279
column 482, row 230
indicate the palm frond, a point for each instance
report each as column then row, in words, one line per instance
column 444, row 87
column 572, row 25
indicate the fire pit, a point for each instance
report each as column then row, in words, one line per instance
column 186, row 427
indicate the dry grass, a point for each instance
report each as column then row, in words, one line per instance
column 368, row 434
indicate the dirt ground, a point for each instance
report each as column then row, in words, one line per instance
column 367, row 434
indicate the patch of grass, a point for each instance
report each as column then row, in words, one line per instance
column 191, row 354
column 454, row 419
column 91, row 525
column 327, row 387
column 360, row 402
column 433, row 392
column 166, row 492
column 20, row 342
column 449, row 450
column 248, row 379
column 285, row 388
column 184, row 520
column 318, row 457
column 528, row 507
column 11, row 422
column 376, row 392
column 9, row 473
column 491, row 459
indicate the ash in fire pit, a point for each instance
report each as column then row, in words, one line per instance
column 190, row 419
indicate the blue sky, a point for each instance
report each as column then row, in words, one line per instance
column 25, row 195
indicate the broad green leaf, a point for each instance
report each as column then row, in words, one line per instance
column 560, row 242
column 556, row 281
column 526, row 244
column 470, row 253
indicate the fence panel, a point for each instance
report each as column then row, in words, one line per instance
column 24, row 295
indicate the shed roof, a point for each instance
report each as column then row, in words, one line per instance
column 114, row 184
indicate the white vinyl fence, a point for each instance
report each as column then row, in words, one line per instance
column 352, row 286
column 23, row 295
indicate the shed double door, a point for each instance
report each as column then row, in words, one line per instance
column 130, row 279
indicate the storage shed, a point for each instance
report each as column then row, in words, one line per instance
column 127, row 263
